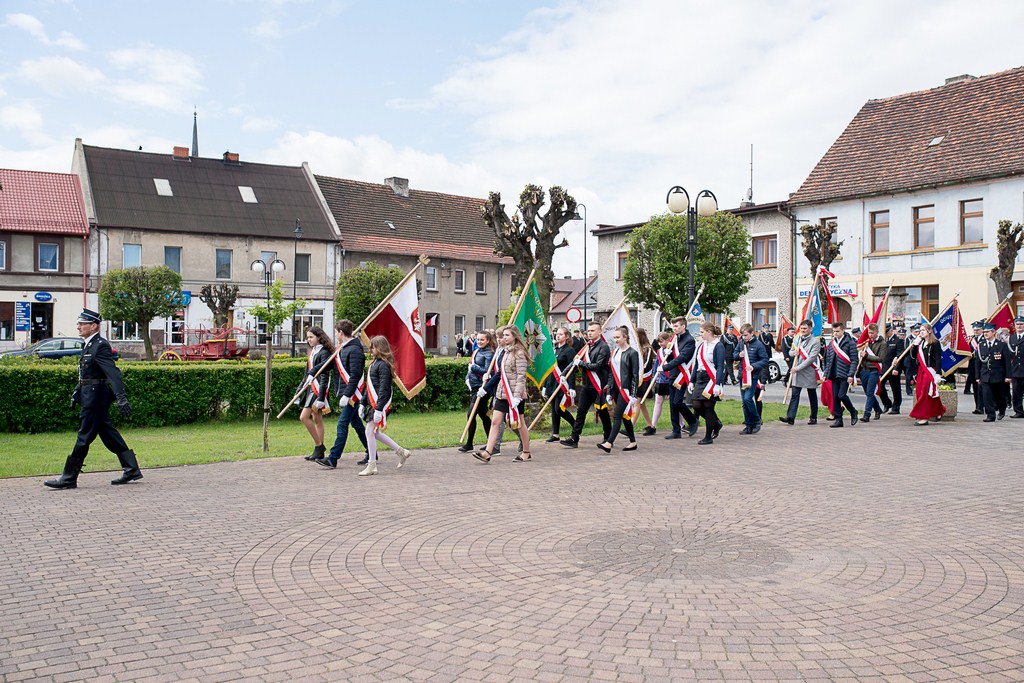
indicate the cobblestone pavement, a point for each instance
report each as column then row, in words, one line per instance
column 881, row 551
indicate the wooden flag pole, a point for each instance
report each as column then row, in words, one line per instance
column 490, row 368
column 421, row 261
column 551, row 397
column 912, row 345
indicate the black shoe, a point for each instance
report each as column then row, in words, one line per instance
column 894, row 411
column 692, row 429
column 570, row 442
column 989, row 419
column 746, row 430
column 836, row 423
column 553, row 438
column 126, row 477
column 497, row 450
column 705, row 441
column 1016, row 416
column 878, row 414
column 366, row 459
column 468, row 448
column 129, row 469
column 813, row 421
column 853, row 419
column 61, row 483
column 651, row 431
column 787, row 420
column 318, row 452
column 717, row 430
column 977, row 412
column 756, row 428
column 327, row 462
column 606, row 449
column 867, row 418
column 1000, row 416
column 674, row 435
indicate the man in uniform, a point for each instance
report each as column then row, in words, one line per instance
column 99, row 384
column 895, row 345
column 766, row 336
column 787, row 346
column 1016, row 346
column 593, row 382
column 993, row 373
column 910, row 363
column 971, row 382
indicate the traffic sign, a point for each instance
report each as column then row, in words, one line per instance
column 574, row 315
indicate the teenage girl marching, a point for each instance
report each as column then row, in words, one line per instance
column 314, row 401
column 378, row 386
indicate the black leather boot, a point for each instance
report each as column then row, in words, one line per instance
column 318, row 452
column 129, row 468
column 69, row 479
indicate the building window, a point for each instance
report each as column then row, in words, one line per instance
column 6, row 321
column 460, row 281
column 823, row 222
column 971, row 214
column 481, row 323
column 921, row 301
column 481, row 282
column 880, row 230
column 620, row 264
column 302, row 267
column 122, row 330
column 305, row 318
column 172, row 258
column 49, row 257
column 223, row 264
column 924, row 227
column 163, row 187
column 174, row 332
column 248, row 196
column 131, row 255
column 513, row 282
column 761, row 313
column 3, row 254
column 431, row 278
column 460, row 324
column 765, row 251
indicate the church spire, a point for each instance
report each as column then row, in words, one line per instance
column 195, row 134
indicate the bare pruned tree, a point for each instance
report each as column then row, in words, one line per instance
column 1009, row 238
column 818, row 246
column 221, row 299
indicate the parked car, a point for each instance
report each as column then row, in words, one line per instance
column 54, row 347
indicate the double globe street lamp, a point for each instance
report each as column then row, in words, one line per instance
column 269, row 271
column 678, row 200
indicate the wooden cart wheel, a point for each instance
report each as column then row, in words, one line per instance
column 169, row 355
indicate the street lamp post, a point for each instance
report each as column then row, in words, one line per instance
column 269, row 272
column 295, row 274
column 576, row 217
column 678, row 200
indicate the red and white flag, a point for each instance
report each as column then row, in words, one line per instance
column 432, row 320
column 398, row 319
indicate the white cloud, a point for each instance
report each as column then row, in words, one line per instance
column 69, row 41
column 260, row 124
column 267, row 29
column 32, row 26
column 60, row 75
column 156, row 77
column 26, row 121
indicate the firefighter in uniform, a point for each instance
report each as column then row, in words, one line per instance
column 1016, row 346
column 993, row 372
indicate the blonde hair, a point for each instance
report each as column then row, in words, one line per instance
column 381, row 348
column 712, row 328
column 517, row 339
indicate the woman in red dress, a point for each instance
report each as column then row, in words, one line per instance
column 927, row 404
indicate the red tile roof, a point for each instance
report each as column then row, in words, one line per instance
column 373, row 218
column 50, row 203
column 885, row 149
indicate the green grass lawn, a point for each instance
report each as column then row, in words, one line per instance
column 36, row 454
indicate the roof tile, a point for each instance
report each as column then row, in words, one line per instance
column 33, row 201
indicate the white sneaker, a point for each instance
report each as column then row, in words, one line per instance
column 370, row 469
column 403, row 455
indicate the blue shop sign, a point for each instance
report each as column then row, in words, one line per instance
column 22, row 315
column 43, row 297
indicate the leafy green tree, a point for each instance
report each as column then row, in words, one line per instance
column 359, row 290
column 139, row 295
column 657, row 268
column 272, row 314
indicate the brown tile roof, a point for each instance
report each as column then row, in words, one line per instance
column 885, row 148
column 206, row 197
column 433, row 223
column 566, row 291
column 49, row 203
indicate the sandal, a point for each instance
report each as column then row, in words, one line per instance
column 479, row 455
column 520, row 458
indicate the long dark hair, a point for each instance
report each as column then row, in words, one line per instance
column 321, row 337
column 380, row 348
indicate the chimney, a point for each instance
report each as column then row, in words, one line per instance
column 180, row 153
column 399, row 186
column 959, row 79
column 231, row 159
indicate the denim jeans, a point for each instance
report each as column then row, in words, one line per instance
column 347, row 416
column 869, row 379
column 750, row 416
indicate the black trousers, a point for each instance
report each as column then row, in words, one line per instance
column 558, row 413
column 993, row 397
column 95, row 421
column 892, row 383
column 705, row 407
column 794, row 402
column 840, row 399
column 620, row 424
column 481, row 412
column 588, row 396
column 1017, row 384
column 676, row 407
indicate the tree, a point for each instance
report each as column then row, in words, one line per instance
column 1008, row 243
column 221, row 299
column 657, row 268
column 520, row 238
column 139, row 295
column 359, row 290
column 818, row 246
column 273, row 313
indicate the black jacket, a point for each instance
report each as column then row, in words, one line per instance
column 835, row 367
column 1016, row 347
column 353, row 358
column 894, row 346
column 563, row 357
column 600, row 354
column 323, row 380
column 932, row 356
column 993, row 361
column 379, row 375
column 629, row 373
column 687, row 346
column 98, row 376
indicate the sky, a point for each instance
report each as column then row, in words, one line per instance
column 615, row 100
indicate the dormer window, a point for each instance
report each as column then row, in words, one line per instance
column 248, row 196
column 163, row 187
column 936, row 140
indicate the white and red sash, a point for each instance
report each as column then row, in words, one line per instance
column 346, row 378
column 686, row 369
column 616, row 361
column 513, row 411
column 315, row 383
column 707, row 363
column 836, row 349
column 930, row 379
column 594, row 378
column 563, row 385
column 647, row 375
column 802, row 352
column 374, row 403
column 748, row 370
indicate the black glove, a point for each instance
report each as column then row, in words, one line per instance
column 124, row 406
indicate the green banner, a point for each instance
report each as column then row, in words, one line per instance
column 532, row 323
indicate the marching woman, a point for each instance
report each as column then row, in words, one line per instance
column 314, row 401
column 647, row 357
column 927, row 405
column 562, row 383
column 510, row 394
column 709, row 373
column 662, row 381
column 625, row 367
column 479, row 364
column 378, row 387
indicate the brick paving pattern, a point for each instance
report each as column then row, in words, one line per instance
column 880, row 552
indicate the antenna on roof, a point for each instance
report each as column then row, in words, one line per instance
column 195, row 133
column 750, row 190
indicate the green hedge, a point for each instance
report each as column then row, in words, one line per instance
column 36, row 395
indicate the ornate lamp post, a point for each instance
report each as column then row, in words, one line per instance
column 269, row 272
column 295, row 276
column 678, row 200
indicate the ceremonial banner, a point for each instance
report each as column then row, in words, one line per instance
column 812, row 312
column 863, row 340
column 398, row 319
column 784, row 325
column 531, row 321
column 1002, row 317
column 619, row 318
column 949, row 330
